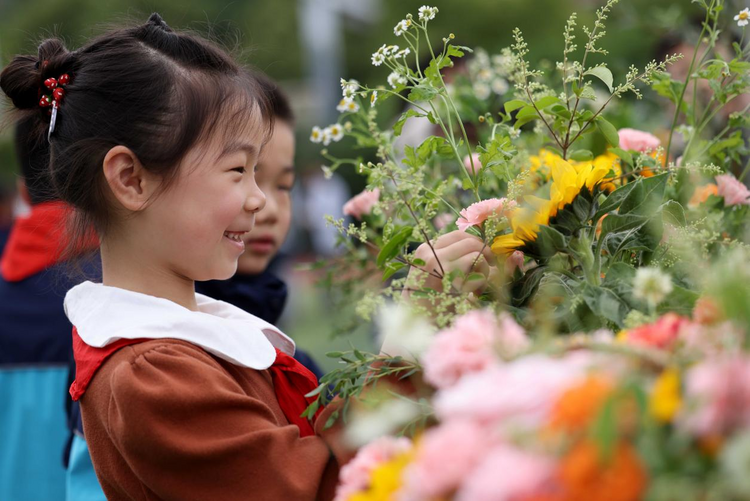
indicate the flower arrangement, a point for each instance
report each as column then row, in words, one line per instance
column 601, row 352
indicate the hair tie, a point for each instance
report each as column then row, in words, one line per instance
column 53, row 100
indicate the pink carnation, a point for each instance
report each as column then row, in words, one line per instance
column 637, row 140
column 733, row 191
column 718, row 396
column 518, row 393
column 355, row 475
column 507, row 473
column 362, row 204
column 477, row 213
column 470, row 346
column 446, row 454
column 661, row 334
column 477, row 164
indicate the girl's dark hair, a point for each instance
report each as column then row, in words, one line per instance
column 154, row 90
column 279, row 104
column 33, row 156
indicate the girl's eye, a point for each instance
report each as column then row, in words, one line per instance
column 285, row 188
column 241, row 170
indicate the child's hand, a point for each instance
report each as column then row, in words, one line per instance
column 453, row 251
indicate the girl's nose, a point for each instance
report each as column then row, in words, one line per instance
column 269, row 214
column 255, row 200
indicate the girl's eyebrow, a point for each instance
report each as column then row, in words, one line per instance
column 238, row 146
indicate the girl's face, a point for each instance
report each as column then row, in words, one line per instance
column 275, row 177
column 196, row 227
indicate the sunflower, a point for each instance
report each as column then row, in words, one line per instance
column 569, row 180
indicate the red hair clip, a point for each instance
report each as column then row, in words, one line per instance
column 56, row 86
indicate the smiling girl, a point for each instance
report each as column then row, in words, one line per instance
column 154, row 137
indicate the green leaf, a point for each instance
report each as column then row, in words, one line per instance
column 523, row 121
column 736, row 66
column 616, row 223
column 527, row 111
column 614, row 199
column 523, row 288
column 474, row 277
column 391, row 268
column 605, row 303
column 399, row 125
column 422, row 93
column 581, row 155
column 623, row 154
column 603, row 74
column 514, row 105
column 674, row 213
column 608, row 131
column 550, row 241
column 547, row 101
column 646, row 197
column 393, row 247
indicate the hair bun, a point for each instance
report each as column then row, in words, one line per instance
column 22, row 78
column 156, row 20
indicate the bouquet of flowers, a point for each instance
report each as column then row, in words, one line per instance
column 602, row 354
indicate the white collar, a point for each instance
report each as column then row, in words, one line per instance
column 104, row 314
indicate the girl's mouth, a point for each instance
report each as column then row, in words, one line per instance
column 235, row 237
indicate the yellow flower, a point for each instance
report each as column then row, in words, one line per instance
column 611, row 162
column 665, row 399
column 385, row 480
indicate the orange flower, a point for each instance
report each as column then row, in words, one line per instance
column 585, row 474
column 702, row 193
column 579, row 405
column 707, row 311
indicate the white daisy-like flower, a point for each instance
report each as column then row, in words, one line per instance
column 743, row 17
column 484, row 75
column 337, row 132
column 343, row 105
column 395, row 79
column 403, row 53
column 652, row 285
column 327, row 136
column 402, row 27
column 514, row 133
column 500, row 86
column 391, row 50
column 377, row 58
column 348, row 126
column 352, row 107
column 316, row 135
column 373, row 97
column 349, row 88
column 482, row 90
column 427, row 13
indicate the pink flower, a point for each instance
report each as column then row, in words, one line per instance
column 477, row 164
column 470, row 346
column 631, row 139
column 514, row 261
column 355, row 475
column 477, row 213
column 507, row 473
column 718, row 396
column 518, row 393
column 661, row 334
column 445, row 455
column 733, row 191
column 362, row 204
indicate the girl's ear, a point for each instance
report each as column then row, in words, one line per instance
column 131, row 184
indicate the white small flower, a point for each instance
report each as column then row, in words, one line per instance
column 484, row 75
column 395, row 79
column 316, row 135
column 482, row 90
column 427, row 13
column 349, row 88
column 391, row 50
column 514, row 133
column 652, row 285
column 500, row 86
column 373, row 98
column 377, row 58
column 402, row 27
column 327, row 172
column 327, row 136
column 743, row 17
column 347, row 104
column 403, row 53
column 337, row 132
